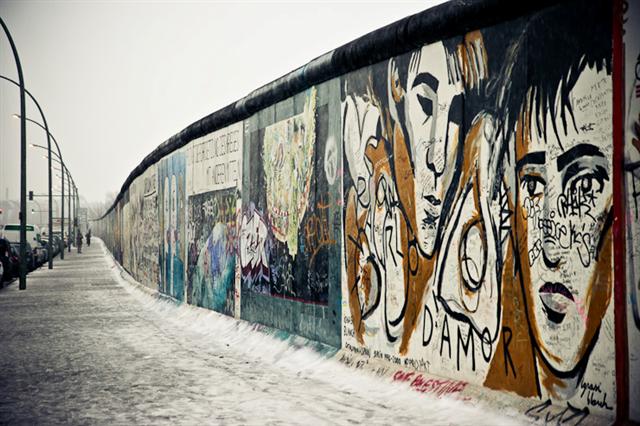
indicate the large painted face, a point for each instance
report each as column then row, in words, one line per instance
column 287, row 155
column 433, row 113
column 361, row 120
column 563, row 205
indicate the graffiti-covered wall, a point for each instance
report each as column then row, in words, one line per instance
column 171, row 222
column 214, row 181
column 140, row 232
column 447, row 209
column 478, row 208
column 291, row 216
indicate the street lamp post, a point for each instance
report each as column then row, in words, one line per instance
column 23, row 164
column 75, row 209
column 73, row 194
column 71, row 234
column 65, row 172
column 46, row 127
column 49, row 139
column 76, row 202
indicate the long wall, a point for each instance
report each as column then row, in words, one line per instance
column 450, row 208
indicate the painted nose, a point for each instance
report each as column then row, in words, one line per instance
column 549, row 261
column 435, row 157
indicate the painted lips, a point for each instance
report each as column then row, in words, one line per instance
column 555, row 298
column 556, row 288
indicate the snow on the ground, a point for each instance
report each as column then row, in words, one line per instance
column 302, row 385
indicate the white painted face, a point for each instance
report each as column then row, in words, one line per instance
column 563, row 203
column 432, row 126
column 361, row 118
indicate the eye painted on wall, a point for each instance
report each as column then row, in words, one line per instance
column 589, row 181
column 427, row 106
column 533, row 184
column 583, row 167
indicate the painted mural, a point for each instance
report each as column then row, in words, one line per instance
column 477, row 222
column 171, row 214
column 117, row 231
column 212, row 250
column 141, row 232
column 288, row 229
column 631, row 41
column 447, row 210
column 214, row 181
column 128, row 251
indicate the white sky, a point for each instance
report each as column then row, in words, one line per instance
column 116, row 79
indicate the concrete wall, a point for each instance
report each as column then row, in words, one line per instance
column 290, row 234
column 450, row 209
column 478, row 221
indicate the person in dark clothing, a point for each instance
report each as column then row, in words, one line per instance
column 79, row 241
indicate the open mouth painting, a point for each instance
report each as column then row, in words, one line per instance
column 556, row 299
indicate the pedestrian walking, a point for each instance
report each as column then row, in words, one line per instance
column 79, row 241
column 88, row 238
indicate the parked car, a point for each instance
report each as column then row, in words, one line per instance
column 58, row 235
column 55, row 247
column 31, row 260
column 45, row 244
column 9, row 263
column 11, row 231
column 40, row 253
column 59, row 246
column 15, row 259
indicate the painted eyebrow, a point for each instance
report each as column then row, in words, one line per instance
column 531, row 158
column 580, row 150
column 428, row 79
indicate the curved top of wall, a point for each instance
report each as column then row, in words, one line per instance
column 443, row 21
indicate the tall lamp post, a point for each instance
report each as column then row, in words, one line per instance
column 49, row 139
column 76, row 202
column 23, row 164
column 72, row 194
column 69, row 198
column 46, row 127
column 76, row 206
column 64, row 173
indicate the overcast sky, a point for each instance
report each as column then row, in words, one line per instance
column 116, row 79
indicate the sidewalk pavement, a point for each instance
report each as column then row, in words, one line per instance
column 80, row 346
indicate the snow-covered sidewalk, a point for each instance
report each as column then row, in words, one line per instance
column 83, row 345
